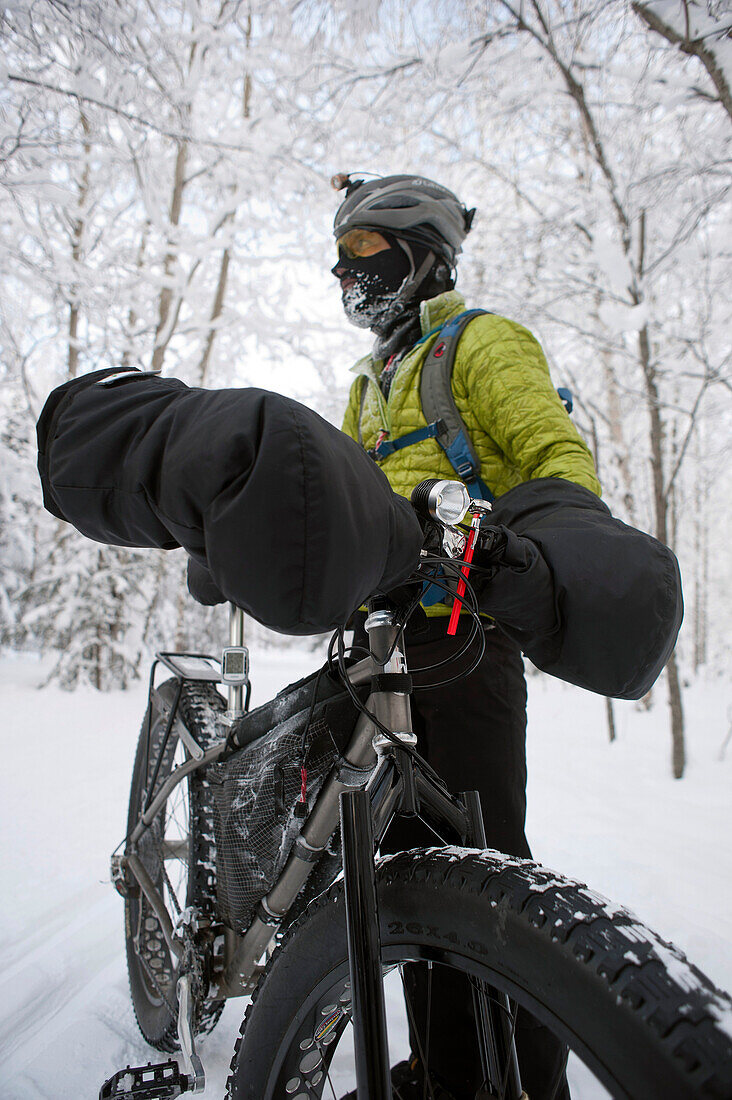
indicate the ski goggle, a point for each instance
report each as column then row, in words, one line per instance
column 359, row 243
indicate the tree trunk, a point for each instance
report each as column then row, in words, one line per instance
column 77, row 245
column 167, row 319
column 181, row 634
column 660, row 499
column 617, row 435
column 678, row 750
column 132, row 315
column 152, row 603
column 164, row 330
column 220, row 295
column 704, row 600
column 218, row 305
column 659, row 495
column 73, row 358
column 701, row 575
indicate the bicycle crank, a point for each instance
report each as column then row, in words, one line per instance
column 196, row 1076
column 164, row 1080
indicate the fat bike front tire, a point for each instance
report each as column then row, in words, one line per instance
column 648, row 1024
column 179, row 853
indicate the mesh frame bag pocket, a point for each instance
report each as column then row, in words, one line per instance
column 256, row 788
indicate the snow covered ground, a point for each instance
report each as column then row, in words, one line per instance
column 608, row 814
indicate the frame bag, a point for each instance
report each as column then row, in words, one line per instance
column 257, row 791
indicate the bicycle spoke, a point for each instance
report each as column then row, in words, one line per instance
column 429, row 1028
column 177, row 885
column 413, row 1022
column 560, row 1074
column 504, row 1083
column 180, row 805
column 176, row 833
column 327, row 1072
column 171, row 891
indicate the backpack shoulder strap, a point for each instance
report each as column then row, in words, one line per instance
column 438, row 404
column 361, row 402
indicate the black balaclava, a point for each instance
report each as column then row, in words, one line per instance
column 371, row 300
column 377, row 279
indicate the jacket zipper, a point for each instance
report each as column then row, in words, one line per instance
column 371, row 379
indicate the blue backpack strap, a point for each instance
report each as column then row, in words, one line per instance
column 361, row 403
column 438, row 404
column 387, row 446
column 566, row 396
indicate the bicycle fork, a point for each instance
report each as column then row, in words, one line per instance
column 373, row 1068
column 365, row 815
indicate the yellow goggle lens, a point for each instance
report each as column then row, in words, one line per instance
column 358, row 243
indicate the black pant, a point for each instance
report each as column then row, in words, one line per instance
column 473, row 733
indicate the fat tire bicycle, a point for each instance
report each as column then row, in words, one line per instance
column 313, row 953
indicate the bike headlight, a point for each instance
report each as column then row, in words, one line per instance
column 446, row 501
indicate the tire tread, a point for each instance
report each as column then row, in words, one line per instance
column 678, row 1009
column 197, row 701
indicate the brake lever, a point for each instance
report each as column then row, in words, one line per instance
column 454, row 542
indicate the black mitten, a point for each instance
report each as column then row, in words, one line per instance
column 201, row 585
column 517, row 589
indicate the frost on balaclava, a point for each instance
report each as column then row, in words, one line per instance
column 368, row 301
column 387, row 290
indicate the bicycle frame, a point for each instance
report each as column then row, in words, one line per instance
column 375, row 779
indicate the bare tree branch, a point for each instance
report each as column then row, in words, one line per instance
column 176, row 135
column 693, row 47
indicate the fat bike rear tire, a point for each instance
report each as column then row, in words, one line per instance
column 187, row 879
column 647, row 1023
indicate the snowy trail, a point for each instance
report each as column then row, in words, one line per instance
column 609, row 815
column 66, row 1021
column 47, row 930
column 48, row 979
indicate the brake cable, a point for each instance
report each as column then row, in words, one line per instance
column 455, row 565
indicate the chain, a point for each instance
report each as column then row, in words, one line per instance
column 191, row 963
column 171, row 891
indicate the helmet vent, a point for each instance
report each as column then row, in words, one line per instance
column 396, row 202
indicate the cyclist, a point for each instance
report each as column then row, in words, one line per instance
column 398, row 239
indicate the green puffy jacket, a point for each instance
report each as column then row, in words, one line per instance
column 503, row 391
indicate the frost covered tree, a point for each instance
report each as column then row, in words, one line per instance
column 635, row 262
column 19, row 517
column 165, row 171
column 697, row 29
column 648, row 219
column 140, row 147
column 604, row 194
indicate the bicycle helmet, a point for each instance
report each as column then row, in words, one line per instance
column 412, row 207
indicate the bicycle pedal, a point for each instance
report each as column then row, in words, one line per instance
column 151, row 1082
